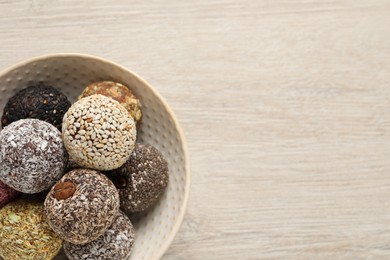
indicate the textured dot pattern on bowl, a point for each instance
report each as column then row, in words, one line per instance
column 70, row 73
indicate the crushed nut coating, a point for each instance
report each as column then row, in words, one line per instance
column 98, row 133
column 85, row 215
column 116, row 243
column 25, row 233
column 118, row 92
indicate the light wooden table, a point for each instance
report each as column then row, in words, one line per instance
column 285, row 106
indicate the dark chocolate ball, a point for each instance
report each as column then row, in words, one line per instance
column 142, row 179
column 38, row 101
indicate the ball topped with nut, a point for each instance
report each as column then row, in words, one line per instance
column 81, row 206
column 98, row 133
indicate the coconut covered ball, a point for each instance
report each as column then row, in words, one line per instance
column 98, row 133
column 25, row 233
column 38, row 101
column 81, row 206
column 32, row 155
column 7, row 194
column 116, row 243
column 120, row 93
column 142, row 179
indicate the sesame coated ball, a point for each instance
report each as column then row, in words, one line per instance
column 25, row 233
column 81, row 206
column 116, row 243
column 98, row 133
column 118, row 92
column 32, row 155
column 142, row 179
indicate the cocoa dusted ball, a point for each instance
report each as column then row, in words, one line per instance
column 7, row 194
column 116, row 243
column 81, row 206
column 32, row 155
column 142, row 179
column 118, row 92
column 38, row 101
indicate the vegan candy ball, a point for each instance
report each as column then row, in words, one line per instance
column 116, row 243
column 38, row 101
column 25, row 234
column 142, row 179
column 81, row 206
column 7, row 194
column 98, row 133
column 32, row 155
column 118, row 92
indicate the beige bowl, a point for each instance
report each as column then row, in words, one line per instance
column 71, row 73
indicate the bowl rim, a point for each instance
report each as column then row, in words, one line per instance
column 184, row 205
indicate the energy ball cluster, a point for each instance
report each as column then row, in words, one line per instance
column 84, row 160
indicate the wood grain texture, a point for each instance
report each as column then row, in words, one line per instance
column 285, row 106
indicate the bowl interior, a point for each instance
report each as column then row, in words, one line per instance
column 71, row 73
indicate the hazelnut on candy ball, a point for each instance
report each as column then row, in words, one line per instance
column 81, row 206
column 64, row 190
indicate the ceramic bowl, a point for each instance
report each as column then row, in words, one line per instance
column 71, row 73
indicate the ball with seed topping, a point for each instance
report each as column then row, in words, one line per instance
column 25, row 233
column 81, row 206
column 120, row 93
column 38, row 101
column 98, row 133
column 32, row 155
column 142, row 179
column 116, row 243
